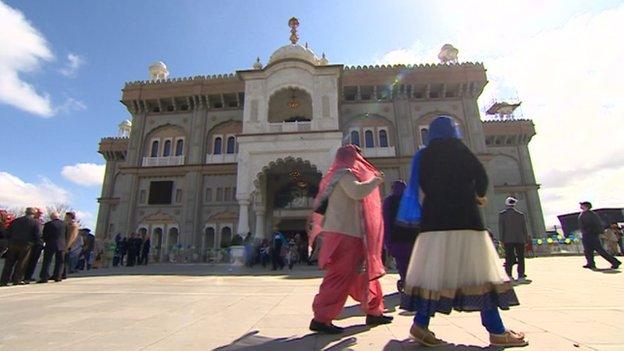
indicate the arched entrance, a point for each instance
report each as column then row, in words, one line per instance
column 284, row 196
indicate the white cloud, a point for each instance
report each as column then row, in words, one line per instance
column 18, row 193
column 70, row 105
column 87, row 174
column 87, row 219
column 74, row 62
column 567, row 77
column 23, row 50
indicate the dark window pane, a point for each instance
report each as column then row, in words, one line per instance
column 231, row 145
column 167, row 148
column 383, row 138
column 179, row 147
column 355, row 137
column 217, row 146
column 154, row 152
column 368, row 136
column 160, row 193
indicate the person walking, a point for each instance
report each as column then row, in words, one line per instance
column 277, row 256
column 54, row 233
column 453, row 264
column 611, row 237
column 145, row 250
column 73, row 244
column 352, row 231
column 514, row 236
column 399, row 240
column 132, row 251
column 23, row 233
column 35, row 251
column 591, row 227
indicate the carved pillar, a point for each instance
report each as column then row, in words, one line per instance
column 243, row 216
column 260, row 225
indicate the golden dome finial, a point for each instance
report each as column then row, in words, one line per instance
column 293, row 23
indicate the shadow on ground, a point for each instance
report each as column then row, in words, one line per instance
column 313, row 341
column 395, row 345
column 345, row 341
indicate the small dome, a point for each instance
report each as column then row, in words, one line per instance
column 158, row 70
column 158, row 64
column 294, row 51
column 126, row 123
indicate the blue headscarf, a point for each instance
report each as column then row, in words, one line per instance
column 409, row 210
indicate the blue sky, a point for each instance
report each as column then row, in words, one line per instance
column 70, row 59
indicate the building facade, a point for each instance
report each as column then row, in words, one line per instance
column 206, row 157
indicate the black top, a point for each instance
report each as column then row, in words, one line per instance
column 24, row 230
column 590, row 223
column 54, row 233
column 451, row 178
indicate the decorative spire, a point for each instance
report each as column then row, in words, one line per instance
column 293, row 23
column 323, row 60
column 258, row 64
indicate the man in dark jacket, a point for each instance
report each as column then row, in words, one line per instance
column 54, row 237
column 132, row 250
column 591, row 227
column 514, row 235
column 145, row 249
column 35, row 251
column 24, row 232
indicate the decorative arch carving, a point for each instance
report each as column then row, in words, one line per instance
column 279, row 109
column 280, row 163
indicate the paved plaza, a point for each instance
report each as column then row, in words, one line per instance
column 205, row 307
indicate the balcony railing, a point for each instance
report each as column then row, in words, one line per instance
column 163, row 161
column 379, row 151
column 282, row 127
column 221, row 158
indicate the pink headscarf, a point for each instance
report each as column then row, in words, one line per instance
column 348, row 158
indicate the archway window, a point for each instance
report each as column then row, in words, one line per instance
column 383, row 138
column 231, row 145
column 217, row 146
column 154, row 152
column 424, row 136
column 173, row 237
column 179, row 147
column 226, row 236
column 368, row 138
column 167, row 148
column 210, row 237
column 355, row 137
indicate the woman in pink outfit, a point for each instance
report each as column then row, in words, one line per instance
column 352, row 231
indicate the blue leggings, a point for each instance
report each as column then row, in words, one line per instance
column 490, row 319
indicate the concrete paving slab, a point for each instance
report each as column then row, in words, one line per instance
column 204, row 307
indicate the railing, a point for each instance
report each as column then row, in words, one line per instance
column 163, row 161
column 221, row 158
column 379, row 151
column 282, row 127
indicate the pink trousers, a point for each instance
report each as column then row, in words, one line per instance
column 342, row 257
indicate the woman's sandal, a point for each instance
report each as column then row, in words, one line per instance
column 509, row 338
column 425, row 337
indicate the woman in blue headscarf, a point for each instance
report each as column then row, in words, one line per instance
column 453, row 264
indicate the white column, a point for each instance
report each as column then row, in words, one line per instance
column 243, row 216
column 260, row 226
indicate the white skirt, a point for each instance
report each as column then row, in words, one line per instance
column 450, row 260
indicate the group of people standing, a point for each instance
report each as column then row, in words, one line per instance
column 27, row 237
column 135, row 250
column 444, row 254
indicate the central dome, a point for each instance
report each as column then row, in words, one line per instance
column 294, row 51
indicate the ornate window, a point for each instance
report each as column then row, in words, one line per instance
column 368, row 138
column 154, row 152
column 355, row 137
column 217, row 146
column 383, row 138
column 424, row 136
column 179, row 147
column 167, row 148
column 226, row 236
column 231, row 145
